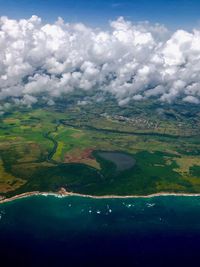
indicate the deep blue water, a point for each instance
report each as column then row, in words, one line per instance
column 75, row 231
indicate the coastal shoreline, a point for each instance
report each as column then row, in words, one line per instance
column 64, row 193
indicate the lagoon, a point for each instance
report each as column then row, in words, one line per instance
column 121, row 160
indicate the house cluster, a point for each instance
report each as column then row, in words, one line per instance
column 136, row 121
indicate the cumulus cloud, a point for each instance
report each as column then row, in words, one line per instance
column 130, row 61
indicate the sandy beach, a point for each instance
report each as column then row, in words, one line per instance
column 63, row 193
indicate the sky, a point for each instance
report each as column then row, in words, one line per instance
column 99, row 45
column 173, row 13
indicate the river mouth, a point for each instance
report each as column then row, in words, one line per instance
column 121, row 160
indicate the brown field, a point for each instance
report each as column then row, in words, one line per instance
column 84, row 156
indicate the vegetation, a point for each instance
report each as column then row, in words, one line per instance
column 46, row 148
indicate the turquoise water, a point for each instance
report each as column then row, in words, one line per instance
column 75, row 231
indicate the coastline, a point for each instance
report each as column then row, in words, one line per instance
column 64, row 193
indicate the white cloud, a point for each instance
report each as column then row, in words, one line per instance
column 131, row 61
column 191, row 99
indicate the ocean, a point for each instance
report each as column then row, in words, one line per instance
column 78, row 231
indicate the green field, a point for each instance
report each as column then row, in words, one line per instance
column 46, row 148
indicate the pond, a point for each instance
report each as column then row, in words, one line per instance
column 121, row 160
